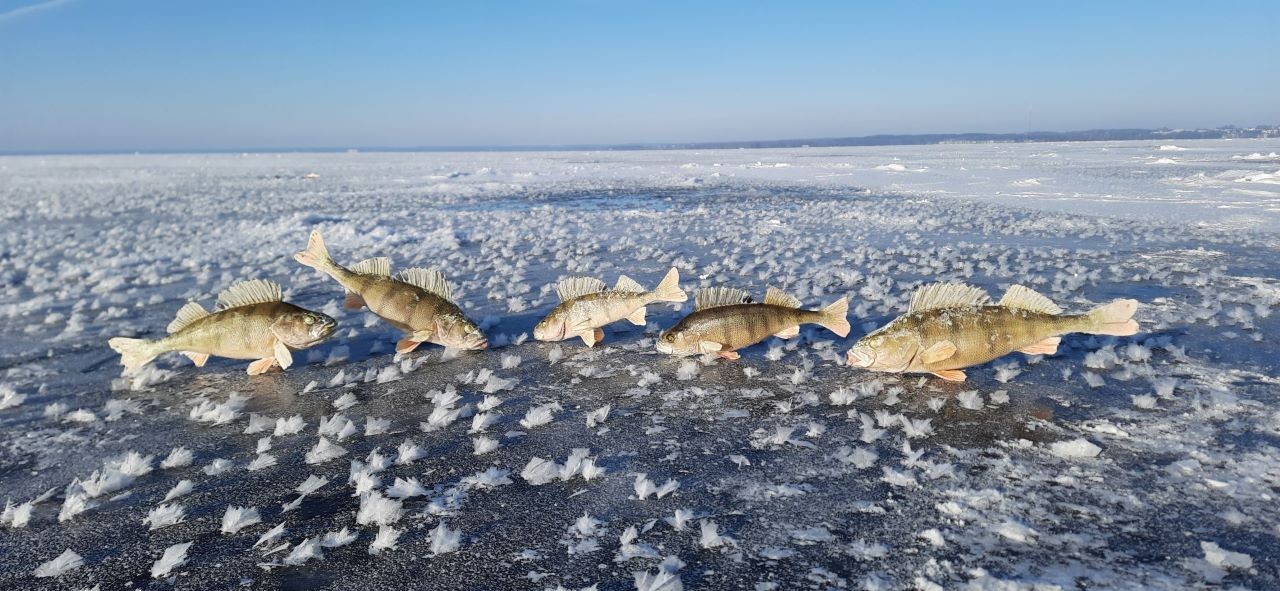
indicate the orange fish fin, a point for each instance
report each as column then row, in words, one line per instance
column 406, row 345
column 939, row 351
column 353, row 301
column 788, row 333
column 730, row 355
column 1048, row 346
column 950, row 375
column 591, row 337
column 261, row 366
column 197, row 358
column 637, row 317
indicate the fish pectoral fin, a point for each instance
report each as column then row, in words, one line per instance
column 1048, row 346
column 591, row 337
column 353, row 301
column 406, row 345
column 788, row 333
column 730, row 355
column 710, row 347
column 950, row 375
column 637, row 317
column 197, row 358
column 261, row 366
column 283, row 356
column 939, row 351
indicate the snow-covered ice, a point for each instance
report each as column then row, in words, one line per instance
column 1141, row 462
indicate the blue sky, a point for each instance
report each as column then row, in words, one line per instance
column 141, row 74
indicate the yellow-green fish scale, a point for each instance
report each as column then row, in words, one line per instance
column 742, row 325
column 243, row 332
column 981, row 334
column 403, row 305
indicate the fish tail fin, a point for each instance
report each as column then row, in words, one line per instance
column 835, row 317
column 1115, row 319
column 316, row 255
column 135, row 353
column 669, row 289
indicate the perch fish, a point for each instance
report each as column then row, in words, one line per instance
column 586, row 306
column 951, row 326
column 418, row 301
column 249, row 321
column 724, row 320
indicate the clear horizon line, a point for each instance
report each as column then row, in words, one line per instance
column 938, row 137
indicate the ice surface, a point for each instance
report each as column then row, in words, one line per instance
column 1148, row 461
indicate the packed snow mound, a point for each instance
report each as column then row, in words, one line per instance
column 1257, row 157
column 1271, row 178
column 1075, row 448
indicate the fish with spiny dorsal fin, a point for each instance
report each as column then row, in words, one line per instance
column 249, row 321
column 586, row 306
column 417, row 301
column 725, row 320
column 951, row 326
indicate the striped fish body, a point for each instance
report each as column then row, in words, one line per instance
column 417, row 301
column 595, row 310
column 981, row 334
column 251, row 320
column 741, row 325
column 237, row 333
column 951, row 326
column 586, row 306
column 724, row 320
column 403, row 305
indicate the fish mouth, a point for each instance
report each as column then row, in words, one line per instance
column 665, row 347
column 546, row 335
column 475, row 342
column 324, row 330
column 858, row 358
column 318, row 334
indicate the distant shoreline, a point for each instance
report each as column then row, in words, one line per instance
column 1092, row 135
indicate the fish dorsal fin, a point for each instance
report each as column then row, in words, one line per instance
column 186, row 315
column 248, row 293
column 777, row 297
column 937, row 296
column 715, row 297
column 1025, row 298
column 431, row 280
column 576, row 287
column 375, row 266
column 629, row 285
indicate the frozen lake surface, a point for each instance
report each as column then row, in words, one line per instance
column 1145, row 462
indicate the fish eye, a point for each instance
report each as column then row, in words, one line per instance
column 309, row 320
